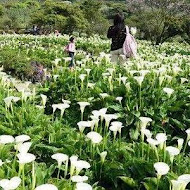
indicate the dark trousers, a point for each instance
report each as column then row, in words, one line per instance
column 71, row 54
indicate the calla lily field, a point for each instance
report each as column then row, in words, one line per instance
column 101, row 126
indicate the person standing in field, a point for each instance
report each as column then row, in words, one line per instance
column 117, row 33
column 70, row 48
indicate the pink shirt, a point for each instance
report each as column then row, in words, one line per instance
column 71, row 47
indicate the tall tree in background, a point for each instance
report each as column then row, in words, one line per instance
column 17, row 14
column 63, row 16
column 160, row 19
column 96, row 20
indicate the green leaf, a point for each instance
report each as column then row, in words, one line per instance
column 150, row 183
column 177, row 123
column 129, row 181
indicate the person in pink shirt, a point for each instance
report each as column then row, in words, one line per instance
column 70, row 48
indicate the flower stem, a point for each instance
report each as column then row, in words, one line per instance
column 23, row 179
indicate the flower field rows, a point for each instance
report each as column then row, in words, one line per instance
column 101, row 126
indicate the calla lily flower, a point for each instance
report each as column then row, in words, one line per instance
column 73, row 159
column 144, row 72
column 147, row 133
column 11, row 184
column 21, row 138
column 188, row 134
column 82, row 106
column 80, row 164
column 173, row 151
column 39, row 107
column 103, row 156
column 67, row 59
column 56, row 61
column 55, row 77
column 177, row 185
column 161, row 138
column 5, row 139
column 83, row 124
column 116, row 126
column 15, row 99
column 104, row 95
column 83, row 186
column 93, row 122
column 152, row 142
column 139, row 80
column 183, row 80
column 44, row 99
column 185, row 178
column 46, row 187
column 23, row 148
column 82, row 77
column 109, row 117
column 96, row 113
column 62, row 107
column 95, row 137
column 123, row 79
column 95, row 119
column 8, row 101
column 102, row 112
column 79, row 179
column 60, row 158
column 144, row 121
column 119, row 99
column 54, row 106
column 161, row 168
column 180, row 143
column 105, row 74
column 128, row 86
column 25, row 95
column 66, row 101
column 116, row 123
column 91, row 85
column 88, row 71
column 132, row 72
column 169, row 91
column 25, row 158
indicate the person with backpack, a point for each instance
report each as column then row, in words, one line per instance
column 70, row 49
column 123, row 43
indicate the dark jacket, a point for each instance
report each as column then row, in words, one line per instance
column 118, row 35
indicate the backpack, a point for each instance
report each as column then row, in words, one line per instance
column 129, row 45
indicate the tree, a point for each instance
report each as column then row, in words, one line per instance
column 97, row 23
column 17, row 14
column 159, row 19
column 1, row 10
column 60, row 15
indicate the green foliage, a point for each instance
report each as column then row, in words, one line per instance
column 64, row 17
column 160, row 20
column 1, row 10
column 16, row 63
column 130, row 160
column 157, row 21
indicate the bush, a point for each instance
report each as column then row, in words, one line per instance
column 16, row 64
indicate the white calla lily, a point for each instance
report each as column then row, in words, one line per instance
column 168, row 91
column 161, row 168
column 11, row 184
column 83, row 186
column 46, row 187
column 95, row 137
